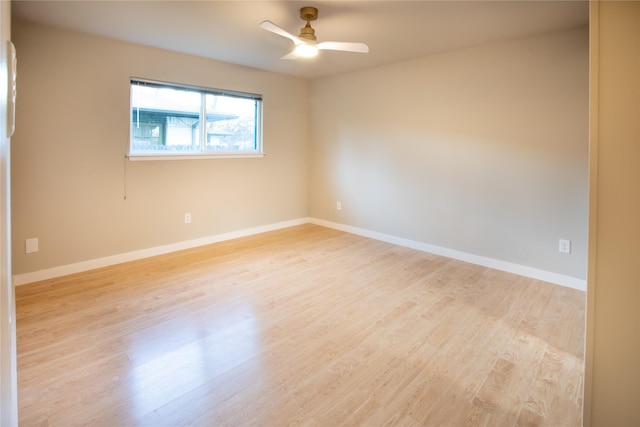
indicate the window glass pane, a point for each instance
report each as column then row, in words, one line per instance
column 164, row 119
column 231, row 123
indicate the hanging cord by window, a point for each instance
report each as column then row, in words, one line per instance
column 124, row 177
column 125, row 166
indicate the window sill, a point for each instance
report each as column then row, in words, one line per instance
column 147, row 157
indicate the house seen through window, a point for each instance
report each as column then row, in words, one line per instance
column 174, row 120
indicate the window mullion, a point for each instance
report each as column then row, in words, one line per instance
column 203, row 122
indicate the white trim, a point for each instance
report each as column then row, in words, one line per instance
column 78, row 267
column 594, row 109
column 138, row 157
column 522, row 270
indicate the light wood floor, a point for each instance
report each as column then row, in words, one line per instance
column 302, row 326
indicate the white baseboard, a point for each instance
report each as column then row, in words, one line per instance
column 509, row 267
column 78, row 267
column 50, row 273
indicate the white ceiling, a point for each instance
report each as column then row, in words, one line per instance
column 228, row 30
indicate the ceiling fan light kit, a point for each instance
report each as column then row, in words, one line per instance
column 305, row 50
column 305, row 43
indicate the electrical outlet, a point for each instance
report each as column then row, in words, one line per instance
column 31, row 245
column 564, row 246
column 339, row 205
column 187, row 218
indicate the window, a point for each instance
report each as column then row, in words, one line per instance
column 170, row 120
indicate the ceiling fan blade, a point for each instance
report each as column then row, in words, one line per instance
column 344, row 46
column 292, row 55
column 270, row 26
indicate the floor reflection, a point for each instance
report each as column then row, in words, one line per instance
column 174, row 358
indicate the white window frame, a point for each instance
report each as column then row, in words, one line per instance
column 201, row 151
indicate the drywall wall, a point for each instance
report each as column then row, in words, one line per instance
column 70, row 177
column 612, row 386
column 482, row 150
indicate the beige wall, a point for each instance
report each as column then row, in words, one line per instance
column 482, row 150
column 70, row 176
column 613, row 311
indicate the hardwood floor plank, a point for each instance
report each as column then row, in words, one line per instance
column 301, row 326
column 557, row 385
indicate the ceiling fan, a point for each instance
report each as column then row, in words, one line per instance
column 305, row 43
